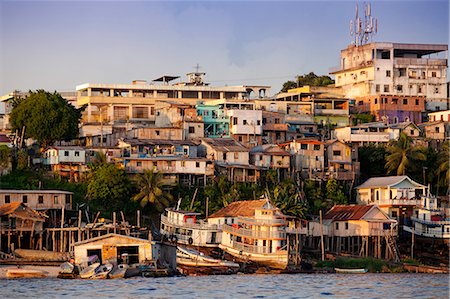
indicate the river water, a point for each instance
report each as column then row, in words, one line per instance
column 237, row 286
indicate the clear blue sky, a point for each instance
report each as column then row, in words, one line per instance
column 58, row 45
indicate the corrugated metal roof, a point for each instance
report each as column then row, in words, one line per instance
column 344, row 212
column 225, row 144
column 244, row 208
column 19, row 210
column 387, row 181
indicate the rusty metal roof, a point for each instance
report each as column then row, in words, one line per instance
column 344, row 212
column 244, row 208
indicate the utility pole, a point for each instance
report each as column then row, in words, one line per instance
column 321, row 236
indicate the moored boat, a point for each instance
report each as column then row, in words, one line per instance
column 350, row 271
column 25, row 273
column 118, row 271
column 89, row 271
column 102, row 271
column 193, row 258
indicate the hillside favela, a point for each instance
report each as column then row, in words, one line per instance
column 224, row 149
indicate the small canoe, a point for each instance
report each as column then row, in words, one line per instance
column 25, row 273
column 119, row 271
column 89, row 271
column 102, row 271
column 350, row 271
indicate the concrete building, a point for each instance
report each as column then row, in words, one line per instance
column 67, row 161
column 341, row 161
column 439, row 116
column 375, row 132
column 307, row 157
column 38, row 199
column 395, row 81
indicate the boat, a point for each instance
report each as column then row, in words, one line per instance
column 183, row 227
column 261, row 238
column 25, row 273
column 89, row 271
column 429, row 222
column 66, row 268
column 350, row 271
column 118, row 271
column 68, row 271
column 102, row 271
column 193, row 258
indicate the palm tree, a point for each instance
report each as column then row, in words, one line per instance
column 401, row 153
column 443, row 170
column 151, row 191
column 98, row 160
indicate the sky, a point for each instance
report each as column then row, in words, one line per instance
column 56, row 45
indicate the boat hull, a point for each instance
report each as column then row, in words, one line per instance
column 350, row 271
column 89, row 271
column 278, row 260
column 25, row 273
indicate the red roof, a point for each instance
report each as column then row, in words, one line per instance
column 244, row 208
column 4, row 139
column 343, row 213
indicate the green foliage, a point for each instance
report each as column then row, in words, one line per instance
column 373, row 265
column 403, row 155
column 334, row 193
column 372, row 159
column 442, row 170
column 362, row 118
column 46, row 117
column 5, row 158
column 314, row 195
column 150, row 186
column 22, row 160
column 109, row 189
column 310, row 79
column 287, row 197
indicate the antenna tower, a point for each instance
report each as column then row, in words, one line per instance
column 362, row 29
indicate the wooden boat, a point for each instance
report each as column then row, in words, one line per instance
column 102, row 271
column 25, row 273
column 89, row 271
column 118, row 271
column 193, row 258
column 350, row 271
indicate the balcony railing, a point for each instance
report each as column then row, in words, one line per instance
column 251, row 248
column 166, row 221
column 431, row 222
column 254, row 234
column 267, row 222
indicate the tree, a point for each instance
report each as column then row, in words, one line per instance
column 443, row 171
column 372, row 159
column 109, row 188
column 402, row 154
column 310, row 79
column 45, row 117
column 150, row 185
column 287, row 197
column 334, row 193
column 5, row 159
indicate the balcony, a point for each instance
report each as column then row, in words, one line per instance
column 204, row 226
column 430, row 222
column 266, row 222
column 419, row 61
column 254, row 234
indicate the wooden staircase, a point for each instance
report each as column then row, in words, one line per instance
column 391, row 244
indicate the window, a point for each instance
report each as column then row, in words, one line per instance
column 138, row 164
column 183, row 163
column 55, row 200
column 317, row 147
column 224, row 156
column 67, row 199
column 433, row 74
column 436, row 90
column 277, row 120
column 337, row 225
column 77, row 153
column 377, row 88
column 386, row 88
column 191, row 130
column 40, row 199
column 7, row 199
column 388, row 73
column 405, row 101
column 157, row 132
column 152, row 110
column 376, row 101
column 25, row 199
column 258, row 122
column 417, row 102
column 197, row 164
column 240, row 138
column 304, row 146
column 336, row 153
column 235, row 121
column 402, row 72
column 419, row 89
column 400, row 88
column 436, row 129
column 394, row 101
column 264, row 120
column 346, row 225
column 411, row 132
column 245, row 122
column 394, row 214
column 66, row 153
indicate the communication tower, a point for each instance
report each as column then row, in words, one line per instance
column 363, row 29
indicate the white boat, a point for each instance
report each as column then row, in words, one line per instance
column 429, row 221
column 118, row 271
column 183, row 227
column 193, row 258
column 350, row 271
column 102, row 271
column 89, row 271
column 25, row 273
column 260, row 238
column 66, row 268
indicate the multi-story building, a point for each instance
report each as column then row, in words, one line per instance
column 274, row 127
column 67, row 161
column 341, row 160
column 216, row 121
column 126, row 106
column 38, row 199
column 395, row 81
column 307, row 157
column 376, row 132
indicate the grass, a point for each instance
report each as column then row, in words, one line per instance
column 373, row 265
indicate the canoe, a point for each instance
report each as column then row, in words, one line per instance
column 25, row 273
column 89, row 271
column 350, row 271
column 102, row 271
column 118, row 271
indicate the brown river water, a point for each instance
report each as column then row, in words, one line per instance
column 237, row 286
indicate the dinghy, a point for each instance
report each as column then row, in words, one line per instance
column 102, row 271
column 89, row 271
column 350, row 271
